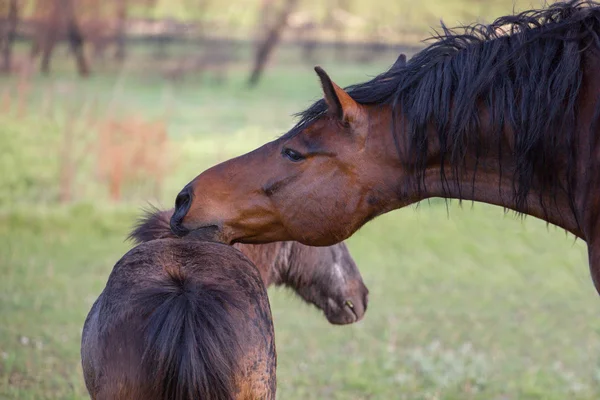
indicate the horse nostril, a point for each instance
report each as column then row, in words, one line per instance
column 183, row 199
column 183, row 202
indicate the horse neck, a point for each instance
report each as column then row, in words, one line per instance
column 482, row 176
column 281, row 263
column 294, row 266
column 491, row 186
column 270, row 259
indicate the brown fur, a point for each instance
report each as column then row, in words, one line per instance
column 509, row 119
column 119, row 347
column 326, row 277
column 216, row 338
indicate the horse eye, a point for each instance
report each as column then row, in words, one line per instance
column 292, row 155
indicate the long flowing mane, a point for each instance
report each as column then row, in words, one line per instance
column 525, row 69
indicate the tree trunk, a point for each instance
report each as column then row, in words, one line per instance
column 59, row 19
column 75, row 38
column 63, row 15
column 265, row 48
column 9, row 35
column 48, row 44
column 120, row 54
column 265, row 15
column 76, row 43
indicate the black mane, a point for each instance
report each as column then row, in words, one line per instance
column 528, row 77
column 151, row 225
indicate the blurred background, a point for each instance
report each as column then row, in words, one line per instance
column 108, row 105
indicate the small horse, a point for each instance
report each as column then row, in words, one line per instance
column 181, row 320
column 178, row 296
column 326, row 277
column 507, row 114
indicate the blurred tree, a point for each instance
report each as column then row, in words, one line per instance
column 74, row 36
column 121, row 36
column 56, row 18
column 8, row 30
column 99, row 22
column 122, row 15
column 268, row 44
column 265, row 14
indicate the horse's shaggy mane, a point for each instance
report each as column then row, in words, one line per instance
column 526, row 69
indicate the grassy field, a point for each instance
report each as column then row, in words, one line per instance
column 477, row 306
column 470, row 304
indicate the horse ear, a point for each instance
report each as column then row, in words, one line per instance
column 339, row 103
column 400, row 62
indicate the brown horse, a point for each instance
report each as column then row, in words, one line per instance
column 326, row 277
column 181, row 320
column 507, row 116
column 198, row 311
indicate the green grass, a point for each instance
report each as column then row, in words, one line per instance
column 471, row 305
column 208, row 122
column 477, row 305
